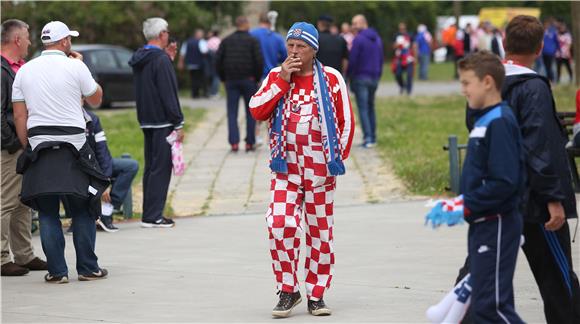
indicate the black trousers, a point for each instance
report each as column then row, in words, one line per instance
column 550, row 258
column 198, row 83
column 157, row 172
column 548, row 64
column 566, row 63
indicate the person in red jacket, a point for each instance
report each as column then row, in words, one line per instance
column 311, row 131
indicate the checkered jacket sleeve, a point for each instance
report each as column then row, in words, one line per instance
column 271, row 91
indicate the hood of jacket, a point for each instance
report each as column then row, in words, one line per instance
column 143, row 56
column 370, row 34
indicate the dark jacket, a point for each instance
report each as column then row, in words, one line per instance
column 332, row 50
column 544, row 139
column 193, row 56
column 57, row 168
column 98, row 143
column 366, row 55
column 9, row 140
column 493, row 175
column 239, row 57
column 156, row 89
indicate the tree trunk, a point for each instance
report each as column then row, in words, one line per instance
column 457, row 12
column 576, row 38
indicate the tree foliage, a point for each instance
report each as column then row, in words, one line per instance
column 120, row 22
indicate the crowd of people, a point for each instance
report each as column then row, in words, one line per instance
column 54, row 151
column 556, row 52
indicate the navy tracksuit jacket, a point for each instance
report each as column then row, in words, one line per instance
column 492, row 183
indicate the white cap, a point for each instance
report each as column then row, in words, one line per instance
column 55, row 31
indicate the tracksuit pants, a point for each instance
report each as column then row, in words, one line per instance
column 157, row 172
column 307, row 189
column 493, row 249
column 550, row 258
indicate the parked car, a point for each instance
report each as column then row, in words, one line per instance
column 110, row 68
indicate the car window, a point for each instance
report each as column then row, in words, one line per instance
column 103, row 59
column 124, row 57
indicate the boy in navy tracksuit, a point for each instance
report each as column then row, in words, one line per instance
column 548, row 199
column 492, row 184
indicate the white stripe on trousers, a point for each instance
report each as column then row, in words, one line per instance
column 497, row 260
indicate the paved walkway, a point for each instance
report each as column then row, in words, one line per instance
column 220, row 182
column 390, row 268
column 216, row 268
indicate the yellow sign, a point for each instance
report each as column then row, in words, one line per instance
column 499, row 17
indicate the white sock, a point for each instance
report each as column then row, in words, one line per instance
column 106, row 209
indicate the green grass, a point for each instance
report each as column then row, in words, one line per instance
column 437, row 72
column 413, row 130
column 125, row 136
column 565, row 97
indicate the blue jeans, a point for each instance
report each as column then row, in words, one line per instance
column 408, row 86
column 364, row 91
column 236, row 89
column 52, row 238
column 124, row 171
column 424, row 60
column 215, row 85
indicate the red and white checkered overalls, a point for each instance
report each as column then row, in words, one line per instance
column 307, row 189
column 307, row 186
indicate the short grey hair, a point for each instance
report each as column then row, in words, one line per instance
column 152, row 27
column 8, row 28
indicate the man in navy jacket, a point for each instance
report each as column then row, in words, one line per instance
column 159, row 114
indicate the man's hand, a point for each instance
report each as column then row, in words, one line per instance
column 106, row 197
column 557, row 216
column 289, row 66
column 75, row 55
column 180, row 135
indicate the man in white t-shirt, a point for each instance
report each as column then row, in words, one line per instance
column 58, row 165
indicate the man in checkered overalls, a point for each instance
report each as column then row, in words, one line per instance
column 311, row 130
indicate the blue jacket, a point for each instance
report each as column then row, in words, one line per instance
column 551, row 44
column 155, row 89
column 273, row 48
column 493, row 177
column 98, row 142
column 422, row 44
column 366, row 56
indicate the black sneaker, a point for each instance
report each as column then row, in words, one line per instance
column 287, row 302
column 55, row 279
column 163, row 222
column 318, row 308
column 106, row 224
column 101, row 274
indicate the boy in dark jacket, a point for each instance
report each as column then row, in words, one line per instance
column 548, row 198
column 492, row 183
column 123, row 170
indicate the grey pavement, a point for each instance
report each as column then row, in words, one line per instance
column 389, row 268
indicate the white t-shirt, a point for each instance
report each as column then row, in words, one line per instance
column 52, row 86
